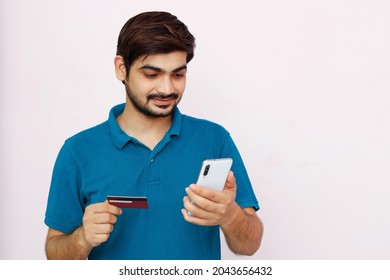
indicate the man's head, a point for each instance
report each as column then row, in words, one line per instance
column 153, row 33
column 152, row 55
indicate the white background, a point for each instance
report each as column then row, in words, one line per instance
column 303, row 86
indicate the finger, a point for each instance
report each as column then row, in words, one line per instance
column 113, row 209
column 103, row 207
column 104, row 218
column 197, row 210
column 195, row 192
column 196, row 220
column 190, row 206
column 103, row 228
column 95, row 208
column 97, row 233
column 200, row 201
column 230, row 182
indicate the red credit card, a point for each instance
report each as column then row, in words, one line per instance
column 128, row 201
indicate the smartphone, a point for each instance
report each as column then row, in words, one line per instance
column 214, row 172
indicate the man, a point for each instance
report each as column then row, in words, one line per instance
column 148, row 148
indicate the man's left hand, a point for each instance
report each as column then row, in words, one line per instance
column 209, row 207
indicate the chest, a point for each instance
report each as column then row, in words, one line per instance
column 160, row 175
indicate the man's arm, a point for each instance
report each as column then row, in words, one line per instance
column 98, row 223
column 244, row 233
column 61, row 246
column 242, row 228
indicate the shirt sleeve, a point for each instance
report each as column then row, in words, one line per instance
column 245, row 196
column 64, row 211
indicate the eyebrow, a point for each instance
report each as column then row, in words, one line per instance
column 157, row 69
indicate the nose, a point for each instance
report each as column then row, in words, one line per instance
column 166, row 86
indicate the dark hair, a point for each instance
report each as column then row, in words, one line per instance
column 153, row 33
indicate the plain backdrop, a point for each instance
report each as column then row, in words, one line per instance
column 303, row 86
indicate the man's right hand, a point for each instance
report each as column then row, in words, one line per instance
column 98, row 222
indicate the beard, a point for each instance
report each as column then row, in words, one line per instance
column 150, row 110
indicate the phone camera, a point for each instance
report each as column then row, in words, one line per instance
column 206, row 170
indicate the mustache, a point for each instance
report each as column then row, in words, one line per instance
column 163, row 96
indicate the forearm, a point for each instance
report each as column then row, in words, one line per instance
column 244, row 231
column 67, row 246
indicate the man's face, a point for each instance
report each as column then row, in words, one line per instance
column 156, row 83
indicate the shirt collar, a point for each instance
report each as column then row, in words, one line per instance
column 176, row 123
column 120, row 138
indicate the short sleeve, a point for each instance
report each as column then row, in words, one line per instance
column 64, row 211
column 245, row 196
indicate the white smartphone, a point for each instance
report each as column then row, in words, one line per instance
column 214, row 172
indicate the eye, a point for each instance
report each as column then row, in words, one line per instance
column 150, row 75
column 179, row 75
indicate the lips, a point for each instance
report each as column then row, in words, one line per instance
column 163, row 100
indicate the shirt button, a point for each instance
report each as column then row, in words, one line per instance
column 151, row 161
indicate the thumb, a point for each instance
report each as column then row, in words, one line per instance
column 230, row 182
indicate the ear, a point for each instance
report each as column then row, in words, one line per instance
column 120, row 69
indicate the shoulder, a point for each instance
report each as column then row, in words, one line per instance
column 88, row 137
column 202, row 125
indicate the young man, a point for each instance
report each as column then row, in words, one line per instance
column 148, row 148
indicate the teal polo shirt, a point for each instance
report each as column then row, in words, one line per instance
column 104, row 160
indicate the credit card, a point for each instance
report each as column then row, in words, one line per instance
column 128, row 201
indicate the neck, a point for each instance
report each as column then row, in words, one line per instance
column 147, row 130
